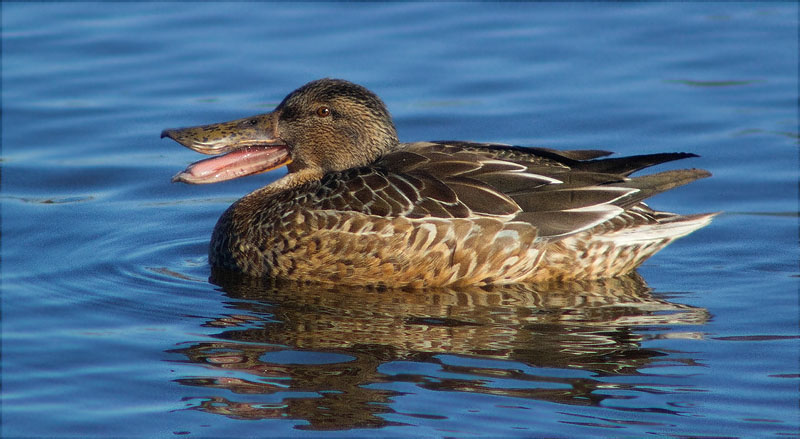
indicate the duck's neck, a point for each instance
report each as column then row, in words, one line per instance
column 290, row 181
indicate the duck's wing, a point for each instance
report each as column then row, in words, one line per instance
column 558, row 192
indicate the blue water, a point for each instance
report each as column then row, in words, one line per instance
column 111, row 326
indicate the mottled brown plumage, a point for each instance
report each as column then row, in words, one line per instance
column 359, row 207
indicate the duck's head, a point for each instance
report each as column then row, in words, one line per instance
column 326, row 125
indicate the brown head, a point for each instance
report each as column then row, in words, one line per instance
column 326, row 125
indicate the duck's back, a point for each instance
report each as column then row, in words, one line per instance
column 449, row 213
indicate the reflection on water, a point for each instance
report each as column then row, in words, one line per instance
column 315, row 353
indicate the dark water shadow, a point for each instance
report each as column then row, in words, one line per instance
column 313, row 353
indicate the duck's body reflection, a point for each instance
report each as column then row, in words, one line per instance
column 587, row 328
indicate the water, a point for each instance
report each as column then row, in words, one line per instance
column 111, row 327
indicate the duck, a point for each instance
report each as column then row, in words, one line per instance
column 359, row 207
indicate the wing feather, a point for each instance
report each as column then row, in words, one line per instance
column 558, row 192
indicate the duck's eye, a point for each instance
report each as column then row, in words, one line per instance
column 253, row 121
column 323, row 111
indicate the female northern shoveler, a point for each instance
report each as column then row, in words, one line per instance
column 359, row 207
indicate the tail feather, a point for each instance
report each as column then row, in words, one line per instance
column 628, row 165
column 669, row 230
column 653, row 184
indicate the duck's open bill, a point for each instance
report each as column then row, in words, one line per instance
column 247, row 146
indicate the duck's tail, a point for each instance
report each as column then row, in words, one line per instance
column 595, row 254
column 628, row 165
